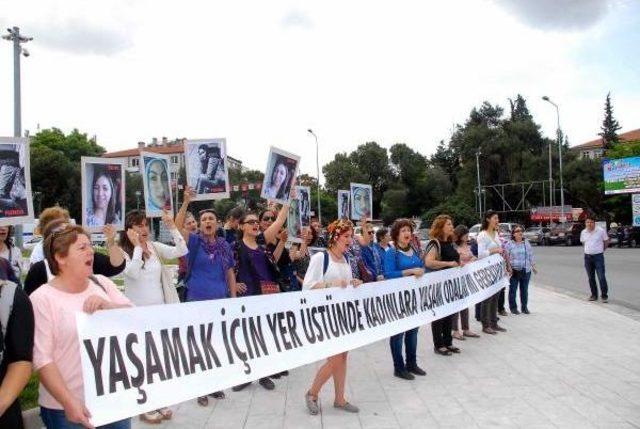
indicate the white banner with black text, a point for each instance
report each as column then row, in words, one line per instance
column 139, row 359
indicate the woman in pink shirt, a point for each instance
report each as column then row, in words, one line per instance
column 56, row 352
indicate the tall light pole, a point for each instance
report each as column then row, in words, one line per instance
column 478, row 153
column 558, row 136
column 310, row 131
column 17, row 39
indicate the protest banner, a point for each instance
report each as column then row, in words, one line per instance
column 140, row 359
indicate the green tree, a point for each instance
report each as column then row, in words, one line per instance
column 55, row 167
column 610, row 125
column 460, row 211
column 394, row 205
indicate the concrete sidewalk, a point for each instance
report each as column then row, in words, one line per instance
column 570, row 364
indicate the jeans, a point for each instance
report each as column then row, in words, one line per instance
column 441, row 330
column 594, row 264
column 519, row 278
column 410, row 346
column 464, row 318
column 55, row 419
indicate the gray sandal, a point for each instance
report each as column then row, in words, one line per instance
column 350, row 408
column 312, row 404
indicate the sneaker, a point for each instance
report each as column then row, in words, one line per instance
column 267, row 383
column 415, row 369
column 239, row 387
column 404, row 374
column 605, row 299
column 350, row 408
column 312, row 404
column 593, row 298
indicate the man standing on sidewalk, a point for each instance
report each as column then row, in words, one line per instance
column 595, row 241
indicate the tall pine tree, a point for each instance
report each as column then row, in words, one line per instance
column 610, row 125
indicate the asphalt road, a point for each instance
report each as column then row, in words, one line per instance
column 562, row 268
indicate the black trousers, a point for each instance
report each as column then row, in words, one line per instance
column 441, row 330
column 501, row 297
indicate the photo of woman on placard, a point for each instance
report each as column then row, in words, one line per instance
column 279, row 183
column 158, row 192
column 12, row 183
column 361, row 203
column 104, row 196
column 343, row 204
column 212, row 178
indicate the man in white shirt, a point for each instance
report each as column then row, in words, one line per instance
column 595, row 241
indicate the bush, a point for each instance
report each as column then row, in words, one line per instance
column 462, row 213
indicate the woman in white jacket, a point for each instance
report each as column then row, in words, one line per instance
column 490, row 243
column 143, row 272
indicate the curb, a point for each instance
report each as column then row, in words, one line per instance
column 31, row 419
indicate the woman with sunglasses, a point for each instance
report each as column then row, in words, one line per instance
column 108, row 265
column 210, row 263
column 256, row 267
column 337, row 274
column 520, row 258
column 56, row 352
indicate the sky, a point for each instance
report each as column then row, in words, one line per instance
column 261, row 73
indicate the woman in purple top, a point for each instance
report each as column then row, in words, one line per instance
column 210, row 263
column 255, row 264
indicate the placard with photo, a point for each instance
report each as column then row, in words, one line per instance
column 344, row 204
column 16, row 199
column 280, row 174
column 361, row 201
column 304, row 203
column 156, row 184
column 207, row 168
column 294, row 226
column 103, row 191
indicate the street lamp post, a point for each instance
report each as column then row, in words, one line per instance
column 17, row 39
column 478, row 153
column 310, row 131
column 558, row 136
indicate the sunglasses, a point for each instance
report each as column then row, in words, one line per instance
column 269, row 218
column 250, row 222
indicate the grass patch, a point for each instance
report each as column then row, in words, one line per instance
column 29, row 396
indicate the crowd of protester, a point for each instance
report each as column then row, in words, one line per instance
column 244, row 254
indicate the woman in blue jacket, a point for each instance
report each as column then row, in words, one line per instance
column 400, row 261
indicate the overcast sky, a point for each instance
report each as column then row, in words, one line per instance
column 260, row 73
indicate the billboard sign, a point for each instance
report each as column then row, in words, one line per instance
column 621, row 176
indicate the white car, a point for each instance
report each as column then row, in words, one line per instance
column 31, row 243
column 473, row 232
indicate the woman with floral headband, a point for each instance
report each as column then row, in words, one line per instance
column 331, row 269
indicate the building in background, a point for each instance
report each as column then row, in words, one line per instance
column 173, row 148
column 594, row 149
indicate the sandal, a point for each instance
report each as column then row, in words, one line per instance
column 442, row 351
column 218, row 395
column 203, row 401
column 453, row 349
column 458, row 336
column 152, row 417
column 470, row 334
column 166, row 413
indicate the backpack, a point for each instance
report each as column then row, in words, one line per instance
column 7, row 294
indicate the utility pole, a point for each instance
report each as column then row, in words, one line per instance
column 17, row 39
column 310, row 131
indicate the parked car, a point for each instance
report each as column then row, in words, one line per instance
column 505, row 230
column 622, row 236
column 29, row 245
column 473, row 232
column 538, row 235
column 566, row 233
